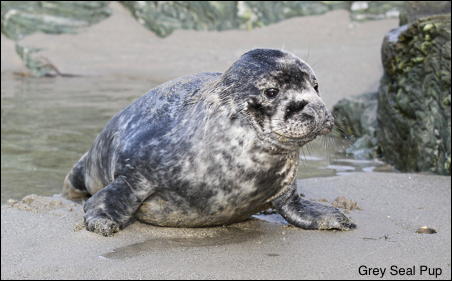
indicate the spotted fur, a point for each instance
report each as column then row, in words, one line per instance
column 208, row 149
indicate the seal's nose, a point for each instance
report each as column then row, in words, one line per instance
column 294, row 107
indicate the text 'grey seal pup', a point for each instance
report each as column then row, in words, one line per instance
column 209, row 149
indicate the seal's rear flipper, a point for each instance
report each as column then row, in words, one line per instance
column 74, row 184
column 112, row 208
column 311, row 215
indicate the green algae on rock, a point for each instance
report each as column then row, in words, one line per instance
column 163, row 17
column 412, row 107
column 414, row 113
column 38, row 65
column 22, row 18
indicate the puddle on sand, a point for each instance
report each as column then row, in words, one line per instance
column 271, row 216
column 47, row 124
column 207, row 237
column 323, row 158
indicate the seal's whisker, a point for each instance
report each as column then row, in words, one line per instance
column 304, row 155
column 309, row 148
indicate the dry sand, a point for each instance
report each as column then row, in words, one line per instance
column 42, row 238
column 46, row 242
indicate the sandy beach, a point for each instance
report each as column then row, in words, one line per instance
column 43, row 237
column 46, row 240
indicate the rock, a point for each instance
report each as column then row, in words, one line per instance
column 413, row 10
column 163, row 17
column 356, row 116
column 363, row 148
column 374, row 10
column 408, row 121
column 426, row 230
column 38, row 65
column 414, row 126
column 20, row 19
column 356, row 119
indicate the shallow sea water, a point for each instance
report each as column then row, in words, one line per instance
column 48, row 123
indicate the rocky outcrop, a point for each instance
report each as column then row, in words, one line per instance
column 163, row 17
column 412, row 110
column 414, row 98
column 414, row 10
column 20, row 19
column 356, row 120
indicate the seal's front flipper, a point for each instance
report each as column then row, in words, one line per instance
column 310, row 215
column 111, row 208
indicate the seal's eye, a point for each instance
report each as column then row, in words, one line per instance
column 271, row 92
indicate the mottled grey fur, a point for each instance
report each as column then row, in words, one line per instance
column 208, row 149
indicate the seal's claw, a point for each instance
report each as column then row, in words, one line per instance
column 350, row 226
column 347, row 226
column 339, row 222
column 103, row 226
column 329, row 218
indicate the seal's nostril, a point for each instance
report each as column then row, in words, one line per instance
column 294, row 107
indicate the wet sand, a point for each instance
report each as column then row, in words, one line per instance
column 47, row 241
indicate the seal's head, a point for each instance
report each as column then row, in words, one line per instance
column 279, row 94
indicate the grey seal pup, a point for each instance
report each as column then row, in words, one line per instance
column 209, row 149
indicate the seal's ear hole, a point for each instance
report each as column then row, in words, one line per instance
column 254, row 102
column 257, row 110
column 255, row 105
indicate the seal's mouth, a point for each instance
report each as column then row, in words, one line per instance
column 282, row 141
column 294, row 140
column 288, row 137
column 295, row 130
column 303, row 126
column 294, row 136
column 305, row 130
